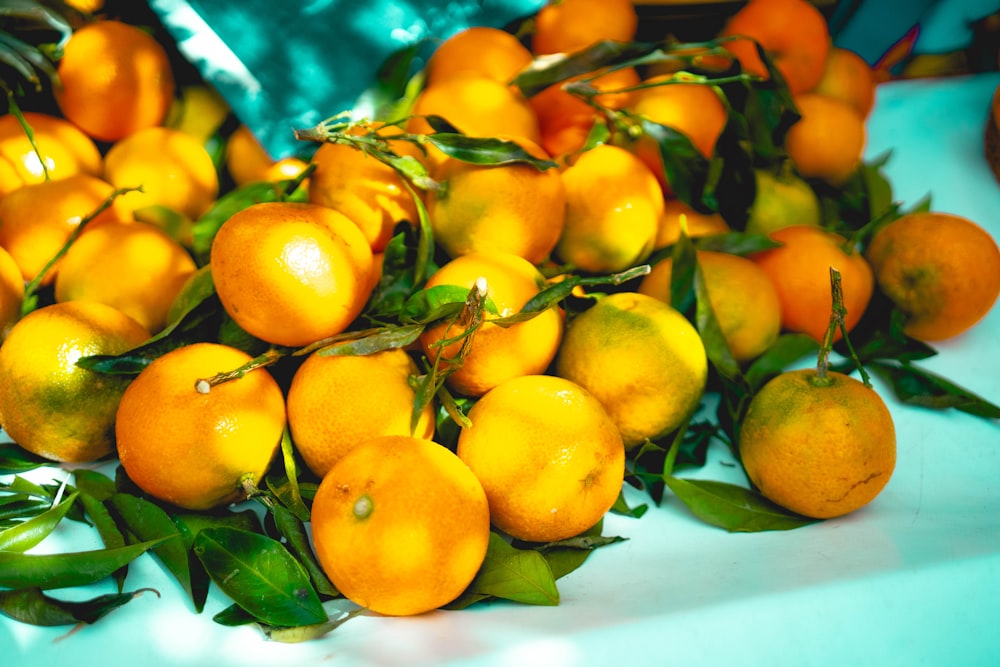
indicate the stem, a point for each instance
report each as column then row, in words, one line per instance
column 204, row 385
column 33, row 286
column 28, row 132
column 836, row 322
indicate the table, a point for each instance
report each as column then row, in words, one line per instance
column 911, row 579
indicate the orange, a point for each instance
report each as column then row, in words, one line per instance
column 249, row 162
column 849, row 78
column 11, row 293
column 822, row 448
column 941, row 270
column 565, row 119
column 115, row 79
column 290, row 273
column 49, row 405
column 513, row 208
column 794, row 33
column 174, row 169
column 86, row 6
column 613, row 209
column 487, row 51
column 36, row 220
column 133, row 266
column 809, row 144
column 193, row 449
column 478, row 106
column 782, row 199
column 565, row 26
column 695, row 223
column 400, row 525
column 642, row 359
column 336, row 401
column 693, row 109
column 198, row 110
column 62, row 148
column 800, row 272
column 497, row 353
column 549, row 457
column 743, row 299
column 369, row 192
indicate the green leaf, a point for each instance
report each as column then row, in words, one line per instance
column 567, row 555
column 32, row 606
column 788, row 349
column 259, row 575
column 733, row 507
column 14, row 459
column 377, row 340
column 916, row 386
column 545, row 72
column 488, row 151
column 520, row 575
column 149, row 522
column 65, row 570
column 293, row 530
column 439, row 302
column 31, row 532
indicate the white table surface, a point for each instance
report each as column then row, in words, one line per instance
column 913, row 579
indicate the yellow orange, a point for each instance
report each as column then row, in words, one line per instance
column 192, row 448
column 290, row 273
column 565, row 26
column 49, row 405
column 488, row 51
column 400, row 525
column 61, row 149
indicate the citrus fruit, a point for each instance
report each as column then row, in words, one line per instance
column 743, row 299
column 247, row 161
column 337, row 400
column 199, row 110
column 11, row 293
column 370, row 193
column 822, row 448
column 477, row 105
column 484, row 50
column 565, row 120
column 848, row 77
column 693, row 109
column 49, row 405
column 291, row 273
column 809, row 143
column 512, row 208
column 642, row 360
column 782, row 200
column 800, row 273
column 497, row 353
column 173, row 168
column 613, row 209
column 565, row 26
column 37, row 219
column 135, row 267
column 60, row 149
column 115, row 79
column 675, row 213
column 400, row 525
column 549, row 457
column 794, row 33
column 193, row 448
column 941, row 270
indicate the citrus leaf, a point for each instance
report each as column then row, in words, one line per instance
column 308, row 632
column 15, row 459
column 64, row 570
column 733, row 507
column 544, row 72
column 259, row 575
column 293, row 530
column 785, row 351
column 439, row 302
column 29, row 533
column 520, row 575
column 916, row 386
column 32, row 606
column 386, row 338
column 488, row 151
column 148, row 521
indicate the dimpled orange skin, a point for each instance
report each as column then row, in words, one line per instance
column 291, row 274
column 548, row 455
column 189, row 448
column 821, row 451
column 941, row 270
column 497, row 353
column 400, row 525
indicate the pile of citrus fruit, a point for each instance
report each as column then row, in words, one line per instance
column 434, row 344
